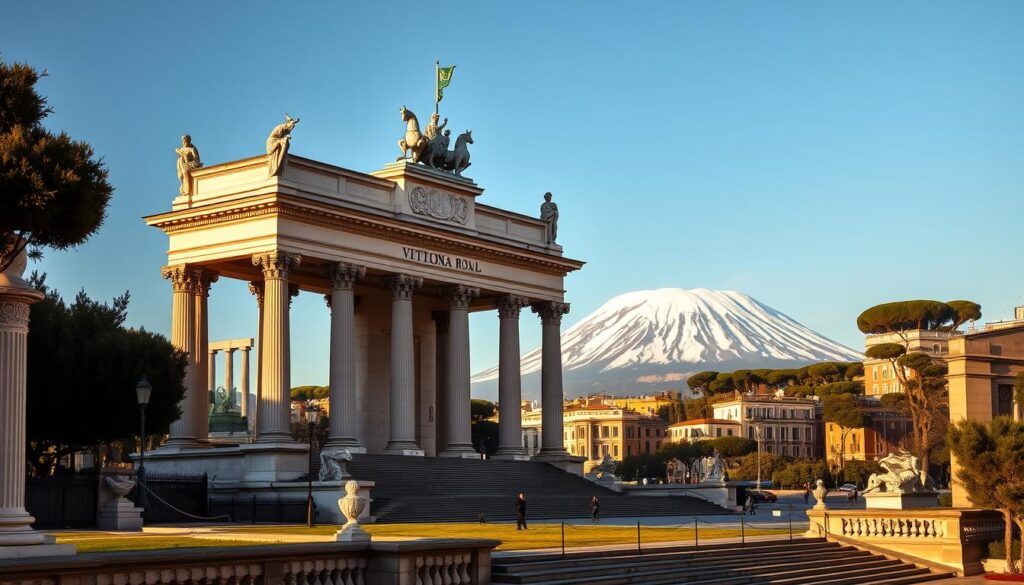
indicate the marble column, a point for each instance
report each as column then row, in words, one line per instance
column 510, row 394
column 402, row 391
column 343, row 422
column 244, row 404
column 202, row 279
column 256, row 288
column 440, row 379
column 229, row 370
column 551, row 439
column 15, row 297
column 275, row 403
column 211, row 383
column 458, row 431
column 183, row 432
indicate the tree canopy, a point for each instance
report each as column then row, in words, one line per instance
column 305, row 393
column 918, row 314
column 54, row 191
column 83, row 366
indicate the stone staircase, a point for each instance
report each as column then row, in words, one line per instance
column 802, row 561
column 435, row 489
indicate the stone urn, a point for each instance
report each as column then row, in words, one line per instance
column 819, row 493
column 352, row 506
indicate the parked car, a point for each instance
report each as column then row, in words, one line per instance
column 847, row 488
column 763, row 497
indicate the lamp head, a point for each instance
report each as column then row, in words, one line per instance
column 142, row 390
column 312, row 414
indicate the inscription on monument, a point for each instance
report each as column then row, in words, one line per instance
column 438, row 205
column 443, row 260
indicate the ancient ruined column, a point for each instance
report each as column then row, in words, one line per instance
column 244, row 403
column 551, row 439
column 343, row 420
column 229, row 370
column 211, row 382
column 275, row 408
column 402, row 394
column 184, row 432
column 15, row 297
column 256, row 288
column 458, row 431
column 202, row 279
column 440, row 379
column 510, row 424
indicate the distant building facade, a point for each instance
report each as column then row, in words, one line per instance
column 594, row 427
column 703, row 429
column 789, row 425
column 880, row 377
column 887, row 431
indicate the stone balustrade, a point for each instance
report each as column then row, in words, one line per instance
column 942, row 538
column 414, row 562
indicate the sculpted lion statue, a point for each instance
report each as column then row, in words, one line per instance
column 332, row 463
column 902, row 474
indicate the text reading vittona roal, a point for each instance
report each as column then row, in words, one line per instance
column 437, row 259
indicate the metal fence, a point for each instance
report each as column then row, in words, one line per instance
column 174, row 498
column 62, row 501
column 252, row 509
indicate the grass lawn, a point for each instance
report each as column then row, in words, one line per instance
column 538, row 536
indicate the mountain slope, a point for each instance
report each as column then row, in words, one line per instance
column 660, row 336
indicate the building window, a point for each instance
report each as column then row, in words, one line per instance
column 768, row 433
column 885, row 388
column 796, row 433
column 885, row 372
column 729, row 432
column 874, row 373
column 615, row 431
column 718, row 432
column 750, row 432
column 615, row 450
column 874, row 388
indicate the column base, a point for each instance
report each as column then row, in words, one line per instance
column 408, row 448
column 351, row 444
column 561, row 459
column 179, row 443
column 459, row 452
column 277, row 438
column 510, row 454
column 16, row 530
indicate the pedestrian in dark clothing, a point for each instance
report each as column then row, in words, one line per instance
column 807, row 492
column 595, row 508
column 521, row 512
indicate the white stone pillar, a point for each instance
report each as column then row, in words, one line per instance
column 551, row 438
column 202, row 279
column 275, row 408
column 440, row 379
column 15, row 297
column 510, row 393
column 342, row 430
column 458, row 433
column 229, row 370
column 183, row 432
column 244, row 405
column 256, row 288
column 402, row 391
column 211, row 383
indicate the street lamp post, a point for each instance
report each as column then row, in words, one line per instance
column 312, row 416
column 142, row 391
column 757, row 433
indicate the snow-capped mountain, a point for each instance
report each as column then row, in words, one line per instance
column 656, row 338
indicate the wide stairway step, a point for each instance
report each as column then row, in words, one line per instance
column 802, row 561
column 434, row 489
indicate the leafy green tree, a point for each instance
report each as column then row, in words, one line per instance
column 852, row 388
column 781, row 378
column 636, row 466
column 307, row 393
column 963, row 312
column 745, row 468
column 54, row 191
column 1018, row 395
column 843, row 411
column 857, row 472
column 722, row 384
column 700, row 383
column 990, row 456
column 902, row 316
column 482, row 409
column 83, row 365
column 824, row 373
column 794, row 475
column 484, row 432
column 743, row 379
column 732, row 446
column 694, row 408
column 854, row 370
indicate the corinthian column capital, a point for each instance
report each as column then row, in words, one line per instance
column 343, row 275
column 460, row 295
column 403, row 285
column 180, row 276
column 550, row 311
column 256, row 289
column 509, row 306
column 202, row 278
column 276, row 264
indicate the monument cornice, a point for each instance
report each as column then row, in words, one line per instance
column 360, row 223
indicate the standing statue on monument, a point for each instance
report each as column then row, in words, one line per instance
column 433, row 130
column 277, row 145
column 188, row 161
column 549, row 213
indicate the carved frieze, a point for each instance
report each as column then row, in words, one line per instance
column 439, row 205
column 14, row 314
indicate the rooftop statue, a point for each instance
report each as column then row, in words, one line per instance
column 188, row 161
column 903, row 474
column 456, row 160
column 278, row 143
column 414, row 142
column 549, row 213
column 430, row 147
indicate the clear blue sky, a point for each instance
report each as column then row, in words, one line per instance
column 819, row 156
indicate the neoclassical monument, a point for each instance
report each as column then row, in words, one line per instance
column 401, row 256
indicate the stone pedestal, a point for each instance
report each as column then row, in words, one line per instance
column 900, row 500
column 270, row 462
column 120, row 515
column 17, row 538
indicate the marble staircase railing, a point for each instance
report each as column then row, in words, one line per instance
column 940, row 538
column 413, row 562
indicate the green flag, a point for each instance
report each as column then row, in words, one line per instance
column 444, row 79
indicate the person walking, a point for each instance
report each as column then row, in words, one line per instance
column 807, row 492
column 595, row 509
column 521, row 511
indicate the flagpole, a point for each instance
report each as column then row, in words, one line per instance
column 437, row 71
